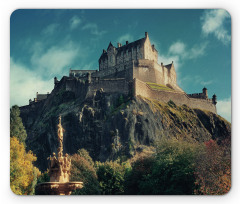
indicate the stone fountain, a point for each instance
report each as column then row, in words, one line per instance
column 59, row 171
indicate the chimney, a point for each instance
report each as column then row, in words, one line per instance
column 126, row 42
column 119, row 45
column 146, row 34
column 161, row 64
column 104, row 51
column 153, row 47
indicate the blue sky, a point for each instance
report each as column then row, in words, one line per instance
column 46, row 43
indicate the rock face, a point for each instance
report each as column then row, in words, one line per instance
column 111, row 126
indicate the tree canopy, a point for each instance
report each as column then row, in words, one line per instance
column 16, row 126
column 22, row 172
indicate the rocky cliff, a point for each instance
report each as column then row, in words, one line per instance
column 111, row 126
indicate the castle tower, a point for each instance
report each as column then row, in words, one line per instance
column 56, row 81
column 214, row 99
column 205, row 93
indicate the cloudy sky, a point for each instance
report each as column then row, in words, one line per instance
column 46, row 43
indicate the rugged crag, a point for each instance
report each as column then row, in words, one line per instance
column 113, row 125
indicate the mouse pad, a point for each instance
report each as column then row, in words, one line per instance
column 120, row 102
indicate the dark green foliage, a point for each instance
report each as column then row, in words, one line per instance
column 84, row 153
column 16, row 126
column 111, row 178
column 120, row 100
column 82, row 170
column 44, row 177
column 136, row 176
column 173, row 170
column 169, row 172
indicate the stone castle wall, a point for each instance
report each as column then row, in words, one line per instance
column 151, row 71
column 179, row 98
column 114, row 72
column 109, row 86
column 83, row 89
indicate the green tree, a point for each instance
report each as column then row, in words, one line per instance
column 44, row 177
column 111, row 177
column 141, row 167
column 85, row 154
column 83, row 170
column 16, row 126
column 173, row 170
column 169, row 172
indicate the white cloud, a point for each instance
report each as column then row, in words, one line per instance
column 54, row 60
column 179, row 51
column 74, row 22
column 205, row 83
column 50, row 29
column 194, row 80
column 24, row 84
column 126, row 37
column 93, row 29
column 197, row 51
column 213, row 23
column 224, row 108
column 177, row 48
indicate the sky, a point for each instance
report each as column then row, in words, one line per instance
column 47, row 43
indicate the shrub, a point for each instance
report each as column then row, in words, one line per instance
column 171, row 104
column 169, row 172
column 135, row 176
column 83, row 170
column 111, row 177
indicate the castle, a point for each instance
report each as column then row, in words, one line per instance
column 131, row 69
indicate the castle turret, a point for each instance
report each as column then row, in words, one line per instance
column 205, row 93
column 56, row 80
column 146, row 34
column 214, row 99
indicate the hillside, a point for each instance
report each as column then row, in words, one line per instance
column 111, row 126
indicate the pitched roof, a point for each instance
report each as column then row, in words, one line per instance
column 110, row 45
column 123, row 47
column 130, row 45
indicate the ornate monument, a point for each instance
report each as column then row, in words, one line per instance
column 59, row 172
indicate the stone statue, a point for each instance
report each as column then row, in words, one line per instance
column 60, row 131
column 59, row 168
